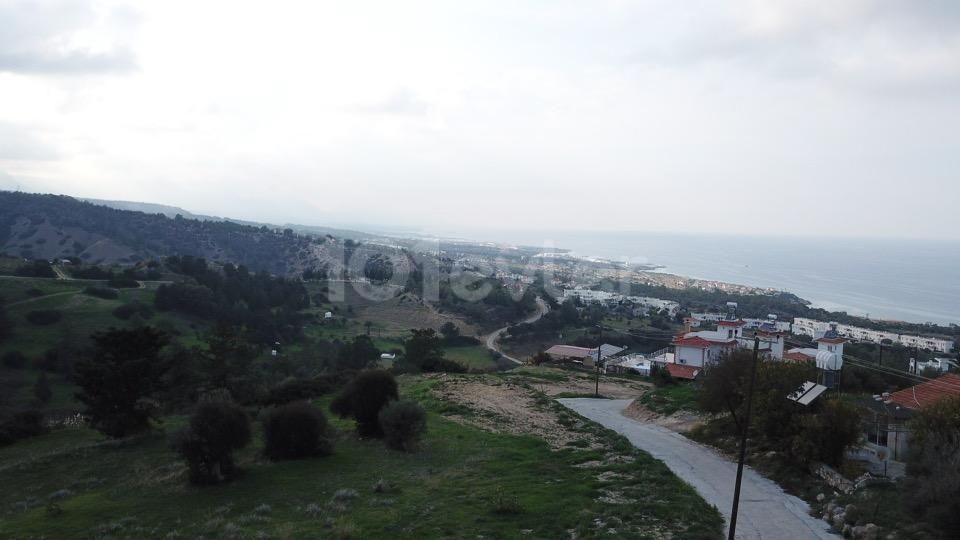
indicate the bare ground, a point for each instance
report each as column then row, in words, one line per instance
column 680, row 421
column 511, row 404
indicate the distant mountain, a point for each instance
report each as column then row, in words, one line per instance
column 57, row 226
column 151, row 208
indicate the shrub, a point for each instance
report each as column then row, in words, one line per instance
column 14, row 360
column 126, row 311
column 363, row 398
column 216, row 430
column 441, row 365
column 43, row 317
column 41, row 389
column 403, row 423
column 295, row 430
column 21, row 426
column 102, row 292
column 123, row 283
column 298, row 389
column 660, row 376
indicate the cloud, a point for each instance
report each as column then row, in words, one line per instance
column 402, row 102
column 20, row 144
column 65, row 38
column 869, row 45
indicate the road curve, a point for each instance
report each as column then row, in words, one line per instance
column 766, row 511
column 492, row 339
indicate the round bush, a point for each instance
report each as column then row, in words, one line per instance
column 102, row 292
column 403, row 423
column 44, row 317
column 295, row 430
column 14, row 360
column 216, row 430
column 363, row 398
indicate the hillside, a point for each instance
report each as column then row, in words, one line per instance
column 56, row 226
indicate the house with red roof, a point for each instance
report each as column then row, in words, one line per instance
column 886, row 420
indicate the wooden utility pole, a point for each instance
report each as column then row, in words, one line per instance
column 743, row 441
column 596, row 392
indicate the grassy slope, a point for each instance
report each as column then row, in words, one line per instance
column 471, row 356
column 462, row 481
column 667, row 400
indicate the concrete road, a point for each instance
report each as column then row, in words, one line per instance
column 765, row 510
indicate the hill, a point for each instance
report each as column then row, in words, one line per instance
column 56, row 226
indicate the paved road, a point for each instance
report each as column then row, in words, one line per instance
column 765, row 510
column 493, row 338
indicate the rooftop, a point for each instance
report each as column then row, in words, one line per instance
column 678, row 371
column 927, row 393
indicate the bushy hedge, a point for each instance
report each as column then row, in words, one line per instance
column 44, row 317
column 126, row 311
column 20, row 426
column 102, row 292
column 403, row 423
column 295, row 430
column 216, row 430
column 14, row 360
column 363, row 398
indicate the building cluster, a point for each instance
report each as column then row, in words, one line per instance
column 815, row 328
column 607, row 298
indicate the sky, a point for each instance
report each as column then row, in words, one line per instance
column 762, row 117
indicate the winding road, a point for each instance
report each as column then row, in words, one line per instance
column 492, row 339
column 766, row 511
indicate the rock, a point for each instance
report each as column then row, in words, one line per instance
column 820, row 497
column 838, row 522
column 857, row 532
column 871, row 531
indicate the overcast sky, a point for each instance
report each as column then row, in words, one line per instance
column 806, row 117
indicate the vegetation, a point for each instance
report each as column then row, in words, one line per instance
column 817, row 432
column 424, row 352
column 118, row 379
column 141, row 236
column 403, row 423
column 363, row 398
column 216, row 431
column 296, row 430
column 933, row 467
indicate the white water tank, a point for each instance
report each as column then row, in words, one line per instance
column 829, row 361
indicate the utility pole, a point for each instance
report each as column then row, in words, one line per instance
column 596, row 392
column 880, row 359
column 743, row 441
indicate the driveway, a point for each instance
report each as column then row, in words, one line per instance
column 765, row 510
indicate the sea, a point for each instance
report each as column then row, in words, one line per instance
column 892, row 279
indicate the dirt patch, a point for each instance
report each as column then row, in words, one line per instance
column 680, row 421
column 505, row 407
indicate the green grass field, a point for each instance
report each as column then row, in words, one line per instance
column 464, row 482
column 471, row 357
column 670, row 399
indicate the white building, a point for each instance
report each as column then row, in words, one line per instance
column 815, row 328
column 708, row 346
column 942, row 365
column 608, row 298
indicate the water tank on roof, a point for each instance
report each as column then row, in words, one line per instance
column 829, row 361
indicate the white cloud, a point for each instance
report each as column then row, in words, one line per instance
column 717, row 117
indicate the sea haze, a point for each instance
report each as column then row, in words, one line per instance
column 910, row 280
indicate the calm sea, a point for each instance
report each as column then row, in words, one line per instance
column 911, row 280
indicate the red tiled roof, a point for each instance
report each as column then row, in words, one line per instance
column 678, row 371
column 831, row 340
column 797, row 357
column 928, row 393
column 571, row 351
column 701, row 343
column 737, row 322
